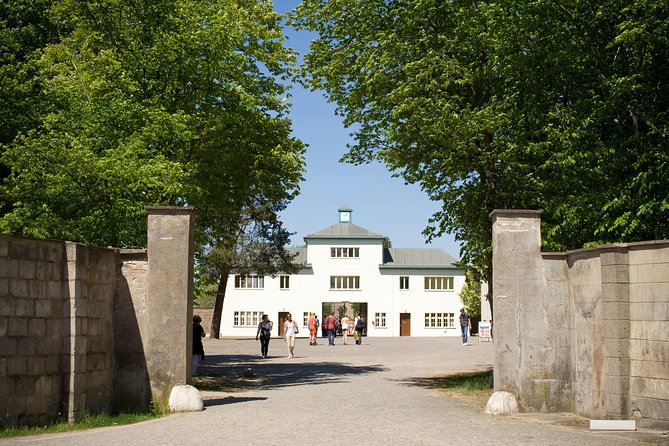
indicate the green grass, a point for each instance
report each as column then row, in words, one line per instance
column 86, row 422
column 473, row 383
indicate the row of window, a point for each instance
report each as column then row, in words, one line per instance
column 431, row 283
column 432, row 320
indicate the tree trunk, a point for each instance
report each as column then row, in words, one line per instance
column 218, row 307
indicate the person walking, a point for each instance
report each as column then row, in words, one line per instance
column 345, row 322
column 265, row 334
column 290, row 330
column 465, row 325
column 198, row 348
column 313, row 328
column 330, row 326
column 359, row 328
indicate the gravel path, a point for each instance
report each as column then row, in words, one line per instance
column 373, row 394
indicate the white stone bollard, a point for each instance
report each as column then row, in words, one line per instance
column 501, row 403
column 185, row 398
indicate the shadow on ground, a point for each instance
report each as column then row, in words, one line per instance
column 234, row 373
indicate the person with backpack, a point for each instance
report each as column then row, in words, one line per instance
column 265, row 334
column 359, row 328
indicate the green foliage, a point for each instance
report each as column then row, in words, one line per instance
column 558, row 106
column 471, row 293
column 148, row 103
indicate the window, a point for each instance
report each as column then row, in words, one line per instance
column 379, row 320
column 439, row 283
column 247, row 318
column 285, row 282
column 249, row 281
column 345, row 252
column 439, row 320
column 305, row 319
column 404, row 282
column 344, row 282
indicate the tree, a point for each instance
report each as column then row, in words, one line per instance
column 560, row 106
column 162, row 103
column 255, row 246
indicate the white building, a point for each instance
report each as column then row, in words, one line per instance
column 399, row 292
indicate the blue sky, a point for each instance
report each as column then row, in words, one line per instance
column 380, row 203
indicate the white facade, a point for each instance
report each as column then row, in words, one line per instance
column 347, row 269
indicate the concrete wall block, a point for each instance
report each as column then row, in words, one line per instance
column 4, row 287
column 649, row 292
column 654, row 273
column 615, row 292
column 618, row 274
column 27, row 269
column 616, row 311
column 616, row 405
column 4, row 247
column 18, row 288
column 649, row 369
column 43, row 308
column 18, row 326
column 616, row 329
column 9, row 267
column 649, row 388
column 8, row 346
column 617, row 384
column 37, row 289
column 17, row 365
column 618, row 348
column 641, row 255
column 54, row 290
column 614, row 255
column 653, row 410
column 4, row 327
column 54, row 328
column 37, row 327
column 616, row 366
column 649, row 311
column 7, row 387
column 25, row 385
column 650, row 330
column 649, row 350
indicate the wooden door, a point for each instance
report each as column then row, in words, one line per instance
column 405, row 324
column 283, row 317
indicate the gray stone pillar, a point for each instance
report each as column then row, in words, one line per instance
column 521, row 358
column 169, row 306
column 616, row 332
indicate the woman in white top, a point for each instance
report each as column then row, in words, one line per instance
column 345, row 322
column 290, row 330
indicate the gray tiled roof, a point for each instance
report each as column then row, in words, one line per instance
column 417, row 257
column 344, row 230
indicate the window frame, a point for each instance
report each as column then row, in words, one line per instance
column 342, row 283
column 439, row 283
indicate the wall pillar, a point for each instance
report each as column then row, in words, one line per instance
column 616, row 332
column 523, row 363
column 169, row 306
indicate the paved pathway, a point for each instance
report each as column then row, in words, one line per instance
column 373, row 394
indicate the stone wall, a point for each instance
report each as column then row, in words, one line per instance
column 584, row 331
column 88, row 330
column 55, row 330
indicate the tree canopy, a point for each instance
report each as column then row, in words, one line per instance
column 142, row 102
column 552, row 105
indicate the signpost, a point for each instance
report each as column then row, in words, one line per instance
column 485, row 331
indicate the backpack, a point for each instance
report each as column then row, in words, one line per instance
column 264, row 332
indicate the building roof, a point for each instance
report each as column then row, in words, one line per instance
column 344, row 230
column 417, row 258
column 301, row 256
